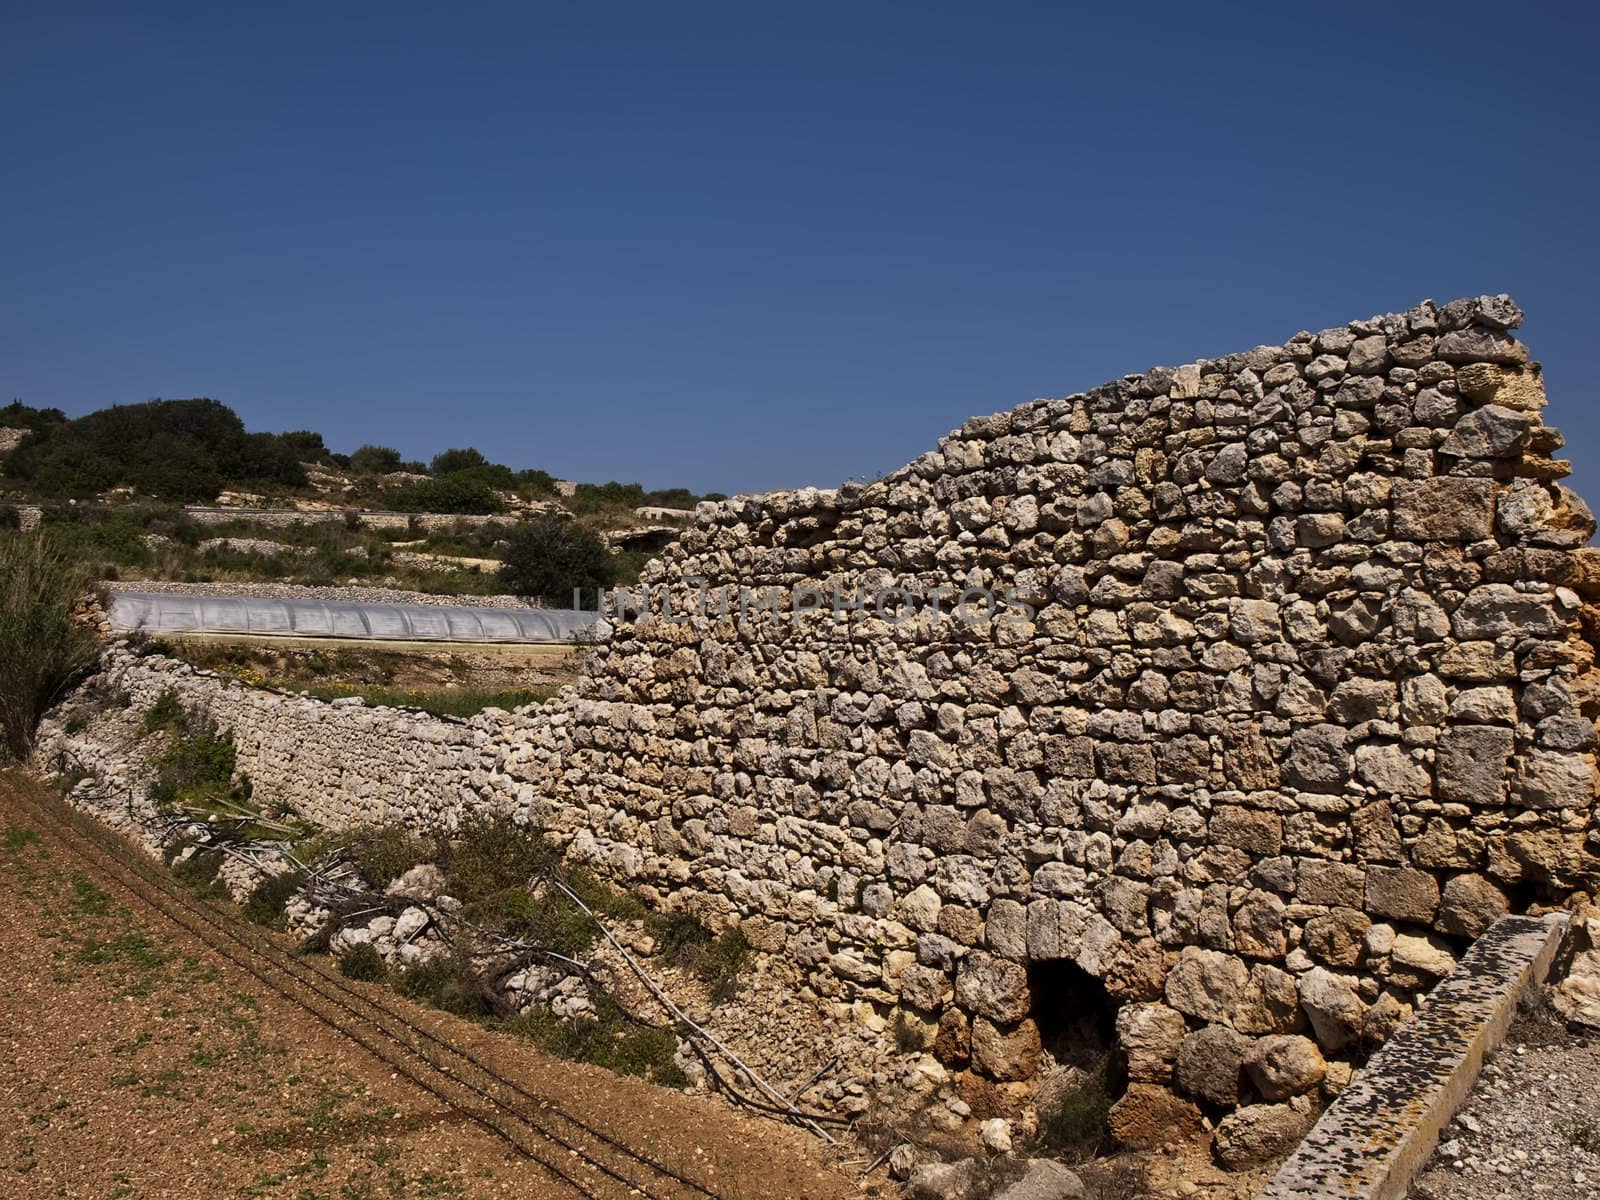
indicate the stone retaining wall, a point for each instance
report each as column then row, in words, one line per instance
column 337, row 763
column 1300, row 701
column 282, row 518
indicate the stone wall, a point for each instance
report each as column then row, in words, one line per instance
column 336, row 762
column 1302, row 697
column 1304, row 703
column 283, row 518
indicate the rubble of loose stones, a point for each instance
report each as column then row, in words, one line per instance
column 1303, row 699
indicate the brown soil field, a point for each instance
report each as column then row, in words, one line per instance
column 138, row 1059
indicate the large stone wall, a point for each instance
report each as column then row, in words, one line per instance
column 1302, row 699
column 1304, row 702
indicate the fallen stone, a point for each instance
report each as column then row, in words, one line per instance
column 1149, row 1115
column 1260, row 1133
column 1044, row 1179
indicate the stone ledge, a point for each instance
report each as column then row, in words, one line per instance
column 1384, row 1125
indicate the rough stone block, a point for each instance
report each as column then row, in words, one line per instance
column 1445, row 509
column 1471, row 764
column 1403, row 893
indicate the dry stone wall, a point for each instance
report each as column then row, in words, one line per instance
column 1304, row 702
column 337, row 763
column 1289, row 691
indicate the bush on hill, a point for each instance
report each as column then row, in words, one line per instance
column 551, row 556
column 18, row 415
column 375, row 460
column 452, row 494
column 183, row 450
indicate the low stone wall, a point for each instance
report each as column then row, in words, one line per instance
column 282, row 517
column 1290, row 694
column 337, row 763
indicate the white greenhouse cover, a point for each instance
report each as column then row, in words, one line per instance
column 183, row 612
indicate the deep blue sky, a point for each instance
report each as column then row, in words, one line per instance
column 741, row 246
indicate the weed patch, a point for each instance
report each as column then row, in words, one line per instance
column 447, row 983
column 265, row 904
column 16, row 838
column 89, row 899
column 1075, row 1122
column 362, row 962
column 610, row 1040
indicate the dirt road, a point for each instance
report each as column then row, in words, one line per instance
column 152, row 1045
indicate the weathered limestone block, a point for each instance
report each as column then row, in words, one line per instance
column 1270, row 1003
column 1260, row 1133
column 1284, row 1065
column 1428, row 956
column 992, row 987
column 1149, row 1115
column 1471, row 764
column 1403, row 893
column 1498, row 609
column 1260, row 926
column 1445, row 509
column 1549, row 779
column 1318, row 758
column 1005, row 1053
column 1150, row 1035
column 1469, row 905
column 1392, row 771
column 1320, row 882
column 1333, row 1006
column 1209, row 1062
column 1336, row 937
column 1206, row 984
column 1255, row 830
column 1489, row 432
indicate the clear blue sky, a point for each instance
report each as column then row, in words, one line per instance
column 741, row 246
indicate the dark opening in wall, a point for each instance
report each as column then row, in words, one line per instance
column 1526, row 894
column 1077, row 1026
column 1077, row 1020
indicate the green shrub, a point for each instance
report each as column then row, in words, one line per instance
column 677, row 935
column 375, row 460
column 722, row 963
column 197, row 765
column 605, row 900
column 453, row 494
column 266, row 903
column 552, row 556
column 362, row 962
column 490, row 853
column 198, row 872
column 42, row 652
column 446, row 982
column 716, row 961
column 166, row 713
column 181, row 450
column 382, row 854
column 610, row 1040
column 1076, row 1122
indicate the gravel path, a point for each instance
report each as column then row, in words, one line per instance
column 296, row 591
column 1532, row 1124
